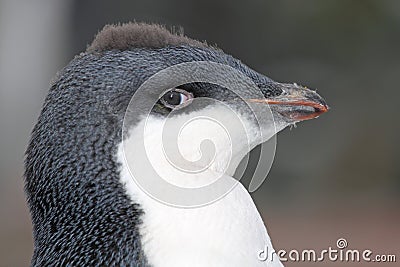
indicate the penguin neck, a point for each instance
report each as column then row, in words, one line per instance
column 226, row 232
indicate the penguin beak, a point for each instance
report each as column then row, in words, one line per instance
column 296, row 103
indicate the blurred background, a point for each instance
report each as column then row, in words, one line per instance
column 334, row 177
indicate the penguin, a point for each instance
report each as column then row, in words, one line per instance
column 87, row 209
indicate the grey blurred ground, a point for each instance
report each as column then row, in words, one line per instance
column 338, row 176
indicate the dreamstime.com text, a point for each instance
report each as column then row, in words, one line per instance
column 341, row 253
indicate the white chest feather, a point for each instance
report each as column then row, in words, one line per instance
column 227, row 232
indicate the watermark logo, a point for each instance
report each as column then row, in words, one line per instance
column 341, row 253
column 341, row 243
column 185, row 157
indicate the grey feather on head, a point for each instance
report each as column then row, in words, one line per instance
column 139, row 35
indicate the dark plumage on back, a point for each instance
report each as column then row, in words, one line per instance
column 139, row 35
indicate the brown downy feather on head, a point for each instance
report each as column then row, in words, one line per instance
column 139, row 35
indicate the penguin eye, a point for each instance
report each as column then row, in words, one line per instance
column 176, row 98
